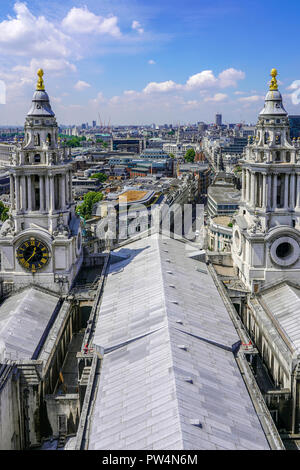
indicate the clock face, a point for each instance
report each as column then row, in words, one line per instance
column 33, row 254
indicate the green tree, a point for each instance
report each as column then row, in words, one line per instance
column 190, row 155
column 171, row 155
column 105, row 145
column 85, row 208
column 237, row 169
column 3, row 212
column 100, row 176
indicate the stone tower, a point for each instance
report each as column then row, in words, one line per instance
column 266, row 231
column 41, row 241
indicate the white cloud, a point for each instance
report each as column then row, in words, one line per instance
column 55, row 99
column 167, row 86
column 202, row 79
column 294, row 85
column 251, row 99
column 151, row 62
column 51, row 65
column 99, row 99
column 81, row 20
column 207, row 79
column 27, row 35
column 230, row 77
column 217, row 97
column 136, row 25
column 239, row 92
column 81, row 85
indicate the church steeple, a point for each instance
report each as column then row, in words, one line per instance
column 42, row 203
column 270, row 199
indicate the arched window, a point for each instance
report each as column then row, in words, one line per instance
column 288, row 157
column 277, row 156
column 37, row 158
column 49, row 139
column 266, row 137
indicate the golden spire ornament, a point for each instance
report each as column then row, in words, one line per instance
column 273, row 84
column 40, row 84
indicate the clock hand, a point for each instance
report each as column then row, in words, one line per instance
column 31, row 255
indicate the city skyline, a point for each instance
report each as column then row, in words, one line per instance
column 137, row 64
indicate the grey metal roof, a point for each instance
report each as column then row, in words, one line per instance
column 23, row 320
column 283, row 303
column 168, row 379
column 40, row 105
column 224, row 194
column 273, row 104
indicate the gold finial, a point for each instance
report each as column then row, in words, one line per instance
column 40, row 84
column 273, row 84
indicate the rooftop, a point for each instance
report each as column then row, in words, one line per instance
column 169, row 378
column 224, row 193
column 23, row 320
column 282, row 303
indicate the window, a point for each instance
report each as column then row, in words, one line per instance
column 37, row 140
column 284, row 250
column 37, row 158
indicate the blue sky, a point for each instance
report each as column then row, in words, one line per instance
column 142, row 61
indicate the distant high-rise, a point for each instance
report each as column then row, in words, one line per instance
column 294, row 126
column 219, row 119
column 94, row 123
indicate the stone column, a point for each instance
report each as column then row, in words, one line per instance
column 292, row 192
column 17, row 192
column 269, row 199
column 47, row 192
column 70, row 188
column 29, row 193
column 12, row 191
column 42, row 195
column 243, row 185
column 264, row 192
column 274, row 201
column 286, row 191
column 23, row 193
column 253, row 188
column 52, row 200
column 62, row 201
column 298, row 192
column 67, row 188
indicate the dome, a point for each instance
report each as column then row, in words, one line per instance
column 40, row 96
column 40, row 105
column 273, row 100
column 273, row 104
column 40, row 100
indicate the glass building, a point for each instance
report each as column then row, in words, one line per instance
column 294, row 126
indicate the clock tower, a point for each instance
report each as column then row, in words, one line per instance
column 266, row 231
column 40, row 243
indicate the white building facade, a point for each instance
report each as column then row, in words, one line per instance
column 266, row 231
column 41, row 241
